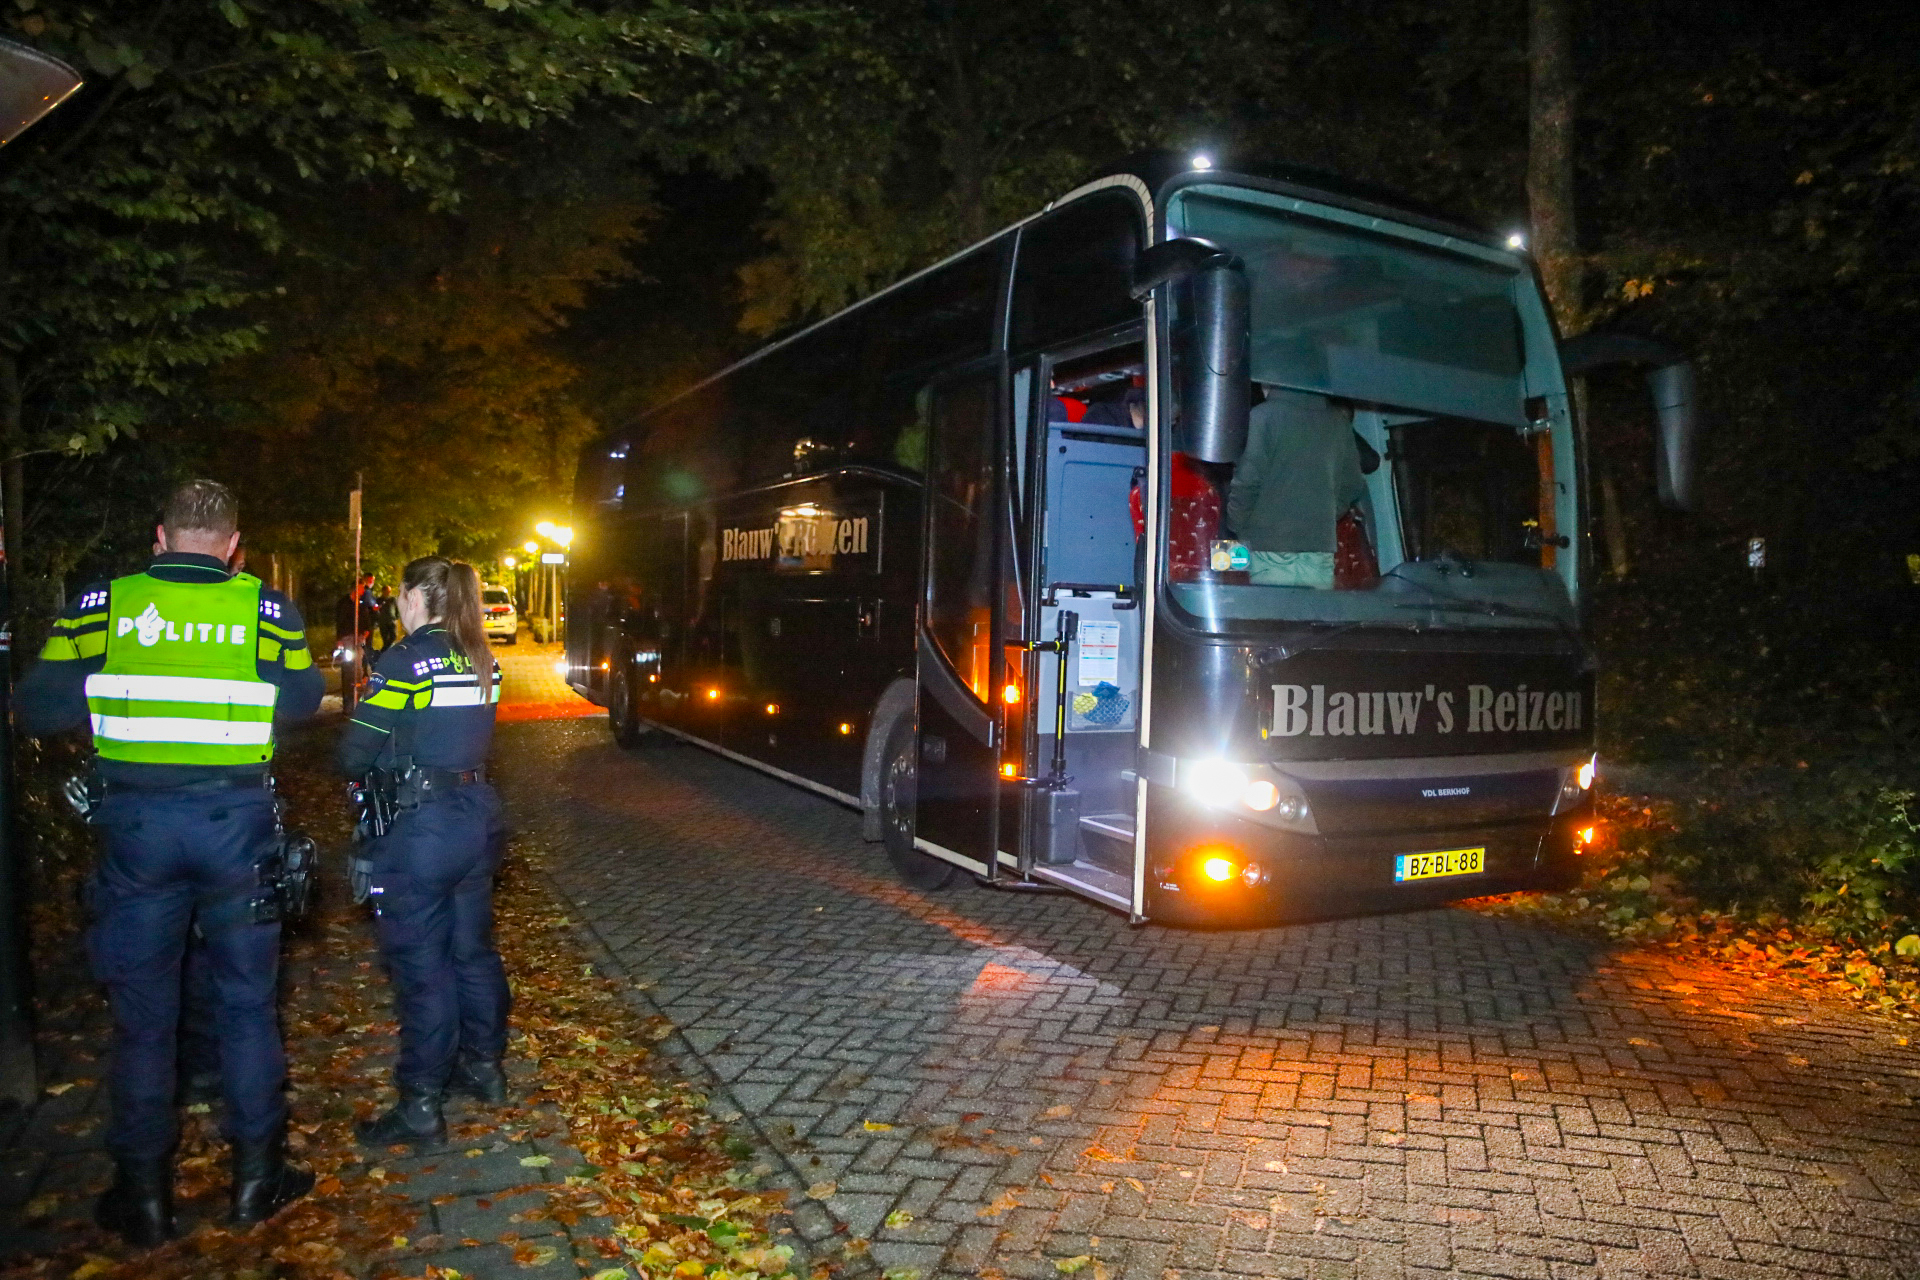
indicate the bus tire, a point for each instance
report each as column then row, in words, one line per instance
column 623, row 714
column 899, row 776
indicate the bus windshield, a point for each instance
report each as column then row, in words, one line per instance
column 1409, row 459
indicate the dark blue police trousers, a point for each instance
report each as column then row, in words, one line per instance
column 166, row 856
column 433, row 891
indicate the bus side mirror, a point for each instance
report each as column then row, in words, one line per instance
column 1212, row 341
column 31, row 84
column 1675, row 400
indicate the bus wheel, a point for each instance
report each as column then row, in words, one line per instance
column 899, row 788
column 629, row 730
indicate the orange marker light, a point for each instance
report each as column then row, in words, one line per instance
column 1008, row 771
column 652, row 678
column 1217, row 869
column 846, row 728
column 773, row 708
column 1010, row 694
column 713, row 695
column 1585, row 836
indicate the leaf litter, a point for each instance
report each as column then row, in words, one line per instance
column 660, row 1189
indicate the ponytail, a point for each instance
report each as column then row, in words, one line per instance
column 451, row 591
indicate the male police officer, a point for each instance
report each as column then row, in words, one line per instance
column 182, row 671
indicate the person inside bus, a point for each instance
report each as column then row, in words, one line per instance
column 1299, row 475
column 1128, row 410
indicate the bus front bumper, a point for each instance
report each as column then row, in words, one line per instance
column 1208, row 867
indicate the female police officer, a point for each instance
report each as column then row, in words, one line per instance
column 427, row 718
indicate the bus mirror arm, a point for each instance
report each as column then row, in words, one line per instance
column 1172, row 260
column 1675, row 390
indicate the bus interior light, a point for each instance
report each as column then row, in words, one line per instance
column 1215, row 782
column 1515, row 240
column 1202, row 161
column 1011, row 694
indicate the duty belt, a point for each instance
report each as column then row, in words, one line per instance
column 206, row 786
column 432, row 780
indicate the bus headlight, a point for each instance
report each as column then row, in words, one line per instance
column 1215, row 782
column 1575, row 783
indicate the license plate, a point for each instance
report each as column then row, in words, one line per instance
column 1444, row 862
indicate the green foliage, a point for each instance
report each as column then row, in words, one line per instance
column 900, row 130
column 201, row 120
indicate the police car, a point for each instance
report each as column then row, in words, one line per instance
column 503, row 621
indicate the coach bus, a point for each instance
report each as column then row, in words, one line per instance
column 1211, row 545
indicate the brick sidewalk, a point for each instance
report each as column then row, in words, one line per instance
column 1017, row 1084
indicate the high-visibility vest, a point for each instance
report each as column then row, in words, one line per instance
column 180, row 684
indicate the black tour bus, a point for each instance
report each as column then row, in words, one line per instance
column 1208, row 544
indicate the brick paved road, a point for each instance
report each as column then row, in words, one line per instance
column 1438, row 1093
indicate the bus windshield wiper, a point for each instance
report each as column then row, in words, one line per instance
column 1491, row 608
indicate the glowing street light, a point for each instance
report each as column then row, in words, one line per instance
column 544, row 528
column 533, row 548
column 562, row 534
column 508, row 561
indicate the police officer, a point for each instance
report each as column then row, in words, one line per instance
column 183, row 670
column 427, row 718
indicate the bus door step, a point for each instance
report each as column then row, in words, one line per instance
column 1114, row 826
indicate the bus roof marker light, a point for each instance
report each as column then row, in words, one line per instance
column 1202, row 160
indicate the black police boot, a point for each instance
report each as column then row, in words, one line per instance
column 482, row 1079
column 263, row 1182
column 416, row 1121
column 139, row 1204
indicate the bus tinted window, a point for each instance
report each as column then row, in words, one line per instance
column 1075, row 267
column 802, row 402
column 960, row 464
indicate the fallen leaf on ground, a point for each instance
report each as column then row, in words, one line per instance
column 822, row 1190
column 1067, row 1266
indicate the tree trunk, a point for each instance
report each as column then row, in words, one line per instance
column 1550, row 200
column 965, row 146
column 1614, row 523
